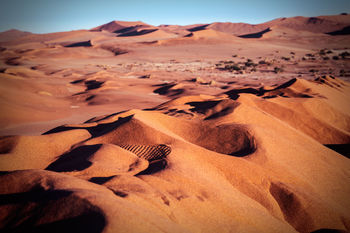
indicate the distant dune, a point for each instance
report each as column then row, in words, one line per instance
column 115, row 26
column 12, row 35
column 320, row 24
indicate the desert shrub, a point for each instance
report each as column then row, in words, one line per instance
column 335, row 58
column 341, row 73
column 322, row 52
column 228, row 62
column 278, row 69
column 285, row 58
column 344, row 54
column 232, row 67
column 249, row 64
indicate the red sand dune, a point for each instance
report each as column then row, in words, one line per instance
column 134, row 128
column 114, row 26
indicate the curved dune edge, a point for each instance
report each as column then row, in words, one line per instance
column 248, row 160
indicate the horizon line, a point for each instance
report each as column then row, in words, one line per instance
column 165, row 24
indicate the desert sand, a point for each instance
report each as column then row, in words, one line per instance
column 222, row 127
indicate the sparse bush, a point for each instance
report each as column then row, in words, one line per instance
column 285, row 58
column 329, row 51
column 341, row 73
column 229, row 62
column 250, row 63
column 235, row 55
column 292, row 53
column 325, row 58
column 229, row 66
column 232, row 67
column 264, row 62
column 335, row 58
column 278, row 70
column 322, row 52
column 344, row 54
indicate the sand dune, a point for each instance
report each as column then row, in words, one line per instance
column 155, row 34
column 237, row 28
column 205, row 35
column 129, row 127
column 115, row 26
column 154, row 164
column 12, row 35
column 320, row 24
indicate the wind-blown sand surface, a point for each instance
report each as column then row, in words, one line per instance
column 130, row 127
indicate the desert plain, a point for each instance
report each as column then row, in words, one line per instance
column 221, row 127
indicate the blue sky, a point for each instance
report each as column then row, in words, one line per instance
column 42, row 16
